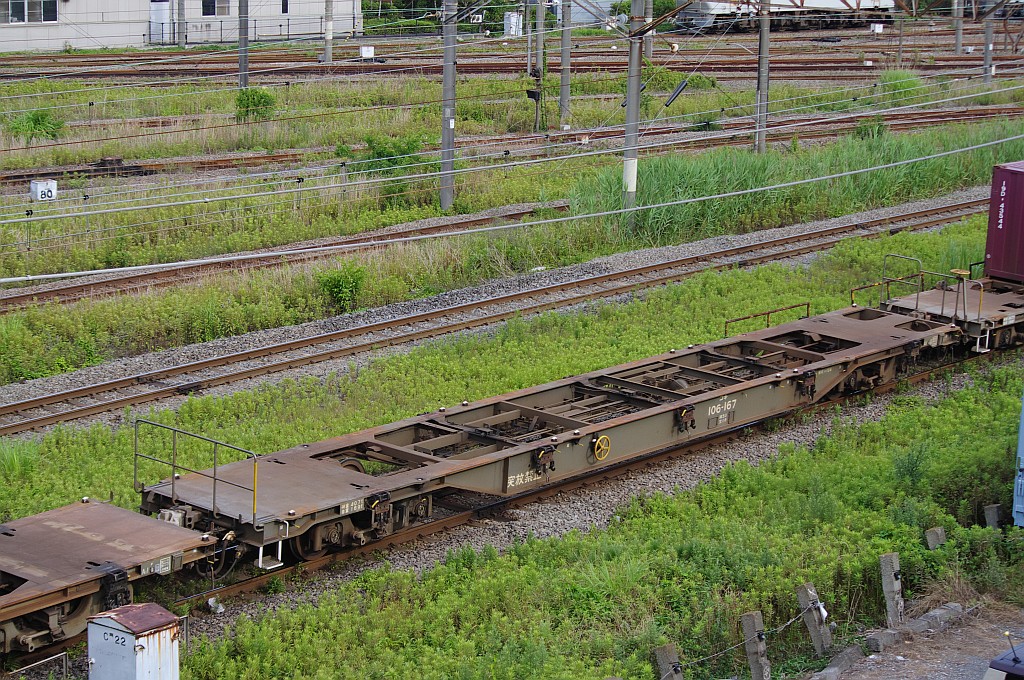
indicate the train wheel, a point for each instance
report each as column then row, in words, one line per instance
column 302, row 547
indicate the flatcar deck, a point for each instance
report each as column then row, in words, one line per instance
column 80, row 551
column 507, row 444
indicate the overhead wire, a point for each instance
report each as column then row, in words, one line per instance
column 372, row 182
column 521, row 225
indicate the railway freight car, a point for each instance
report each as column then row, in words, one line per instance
column 60, row 566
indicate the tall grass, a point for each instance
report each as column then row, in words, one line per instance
column 672, row 178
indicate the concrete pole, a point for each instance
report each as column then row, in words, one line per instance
column 449, row 27
column 629, row 168
column 899, row 52
column 649, row 36
column 566, row 67
column 328, row 31
column 958, row 26
column 821, row 636
column 892, row 589
column 181, row 24
column 540, row 66
column 541, row 32
column 989, row 39
column 752, row 624
column 528, row 29
column 243, row 44
column 761, row 111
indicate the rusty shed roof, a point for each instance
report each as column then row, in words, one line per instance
column 139, row 618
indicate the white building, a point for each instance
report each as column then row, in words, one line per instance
column 90, row 24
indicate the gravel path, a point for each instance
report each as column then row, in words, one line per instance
column 614, row 263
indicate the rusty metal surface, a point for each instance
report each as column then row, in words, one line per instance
column 140, row 618
column 490, row 445
column 62, row 549
column 994, row 307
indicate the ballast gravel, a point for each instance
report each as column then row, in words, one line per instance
column 619, row 262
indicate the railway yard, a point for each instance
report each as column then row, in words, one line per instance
column 545, row 360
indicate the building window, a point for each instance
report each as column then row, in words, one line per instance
column 284, row 6
column 215, row 8
column 22, row 11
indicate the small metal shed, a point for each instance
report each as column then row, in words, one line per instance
column 133, row 642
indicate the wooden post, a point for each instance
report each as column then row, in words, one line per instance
column 892, row 588
column 814, row 619
column 757, row 650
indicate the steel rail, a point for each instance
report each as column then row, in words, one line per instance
column 621, row 283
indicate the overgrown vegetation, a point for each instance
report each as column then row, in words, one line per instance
column 33, row 125
column 254, row 104
column 677, row 177
column 678, row 568
column 97, row 462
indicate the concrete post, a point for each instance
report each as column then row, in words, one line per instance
column 528, row 29
column 821, row 635
column 755, row 646
column 541, row 65
column 899, row 50
column 958, row 26
column 666, row 658
column 632, row 138
column 181, row 24
column 450, row 10
column 649, row 36
column 762, row 79
column 566, row 67
column 992, row 516
column 892, row 588
column 328, row 31
column 935, row 537
column 989, row 39
column 243, row 44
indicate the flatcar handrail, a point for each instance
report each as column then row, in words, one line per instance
column 175, row 466
column 768, row 315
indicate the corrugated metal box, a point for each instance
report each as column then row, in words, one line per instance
column 133, row 642
column 1004, row 251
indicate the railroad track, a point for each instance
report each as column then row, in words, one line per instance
column 151, row 386
column 173, row 276
column 116, row 167
column 612, row 60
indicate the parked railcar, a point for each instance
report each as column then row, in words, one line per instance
column 58, row 567
column 741, row 15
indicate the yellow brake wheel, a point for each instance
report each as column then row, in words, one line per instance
column 602, row 446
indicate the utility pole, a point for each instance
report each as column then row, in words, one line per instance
column 649, row 36
column 528, row 29
column 540, row 66
column 328, row 31
column 243, row 44
column 761, row 111
column 449, row 27
column 899, row 51
column 181, row 24
column 566, row 67
column 958, row 26
column 632, row 140
column 989, row 39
